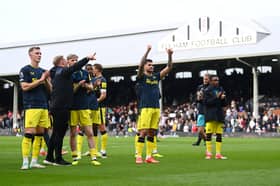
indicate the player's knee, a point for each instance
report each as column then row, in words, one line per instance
column 143, row 133
column 40, row 130
column 89, row 135
column 30, row 130
column 208, row 136
column 218, row 137
column 150, row 132
column 102, row 127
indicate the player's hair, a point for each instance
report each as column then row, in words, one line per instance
column 88, row 65
column 57, row 59
column 148, row 61
column 206, row 75
column 33, row 48
column 212, row 76
column 98, row 67
column 71, row 56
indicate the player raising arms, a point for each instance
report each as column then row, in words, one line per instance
column 149, row 94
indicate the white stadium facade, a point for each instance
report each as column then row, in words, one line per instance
column 249, row 49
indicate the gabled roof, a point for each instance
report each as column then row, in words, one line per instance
column 125, row 48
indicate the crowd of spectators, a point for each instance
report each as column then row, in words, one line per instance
column 121, row 120
column 6, row 123
column 6, row 120
column 239, row 119
column 182, row 118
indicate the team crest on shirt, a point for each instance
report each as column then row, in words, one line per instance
column 152, row 81
column 32, row 73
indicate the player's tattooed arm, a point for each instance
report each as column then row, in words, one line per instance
column 143, row 60
column 169, row 52
column 169, row 65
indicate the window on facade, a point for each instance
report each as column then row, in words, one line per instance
column 265, row 69
column 133, row 77
column 116, row 79
column 210, row 72
column 183, row 75
column 7, row 85
column 230, row 71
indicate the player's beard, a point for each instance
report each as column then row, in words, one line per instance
column 150, row 70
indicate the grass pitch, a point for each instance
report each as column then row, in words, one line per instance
column 252, row 161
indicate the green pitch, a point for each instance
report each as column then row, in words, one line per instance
column 252, row 161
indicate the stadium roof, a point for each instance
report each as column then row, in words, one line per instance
column 200, row 38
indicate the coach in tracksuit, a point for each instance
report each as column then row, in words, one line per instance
column 61, row 102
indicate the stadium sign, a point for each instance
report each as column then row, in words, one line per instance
column 207, row 33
